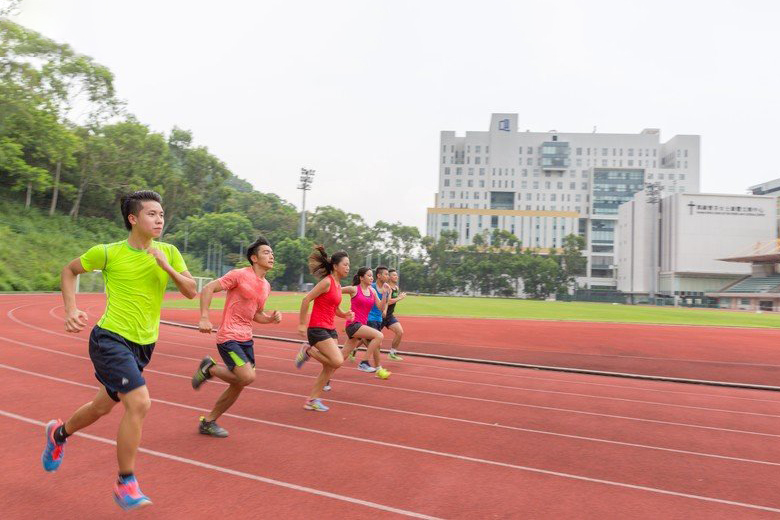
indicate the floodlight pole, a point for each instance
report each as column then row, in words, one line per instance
column 306, row 178
column 653, row 191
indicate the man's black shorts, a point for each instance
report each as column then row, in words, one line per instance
column 389, row 320
column 317, row 334
column 375, row 325
column 237, row 353
column 118, row 361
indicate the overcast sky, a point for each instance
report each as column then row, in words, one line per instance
column 359, row 90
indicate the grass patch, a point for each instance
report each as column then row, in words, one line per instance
column 463, row 306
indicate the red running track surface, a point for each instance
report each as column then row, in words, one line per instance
column 438, row 439
column 729, row 354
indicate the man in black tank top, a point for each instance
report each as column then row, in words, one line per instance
column 390, row 321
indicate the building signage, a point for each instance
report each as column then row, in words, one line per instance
column 503, row 125
column 706, row 209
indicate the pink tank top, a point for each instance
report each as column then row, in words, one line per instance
column 361, row 305
column 324, row 308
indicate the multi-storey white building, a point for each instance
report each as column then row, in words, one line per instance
column 542, row 186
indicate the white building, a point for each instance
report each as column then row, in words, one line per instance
column 542, row 186
column 693, row 233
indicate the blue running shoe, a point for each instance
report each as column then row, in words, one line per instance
column 302, row 356
column 315, row 405
column 128, row 495
column 52, row 453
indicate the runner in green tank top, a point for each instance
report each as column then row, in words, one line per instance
column 136, row 272
column 390, row 321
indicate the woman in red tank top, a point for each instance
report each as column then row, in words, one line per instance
column 364, row 297
column 321, row 332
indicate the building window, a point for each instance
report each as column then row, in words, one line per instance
column 446, row 182
column 470, row 184
column 458, row 171
column 579, row 151
column 481, row 184
column 521, row 150
column 478, row 160
column 447, row 170
column 458, row 183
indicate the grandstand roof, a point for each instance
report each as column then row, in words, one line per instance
column 760, row 252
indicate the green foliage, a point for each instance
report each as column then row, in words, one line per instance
column 36, row 246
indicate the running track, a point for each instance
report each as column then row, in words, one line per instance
column 438, row 439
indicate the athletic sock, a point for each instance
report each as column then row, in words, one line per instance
column 60, row 434
column 123, row 477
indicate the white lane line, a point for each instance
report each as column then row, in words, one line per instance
column 430, row 416
column 391, row 445
column 538, row 407
column 516, row 376
column 235, row 473
column 589, row 396
column 522, row 389
column 267, row 344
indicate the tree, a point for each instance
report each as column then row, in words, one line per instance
column 573, row 263
column 58, row 81
column 232, row 230
column 293, row 253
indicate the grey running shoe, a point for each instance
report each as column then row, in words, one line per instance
column 365, row 367
column 202, row 374
column 211, row 428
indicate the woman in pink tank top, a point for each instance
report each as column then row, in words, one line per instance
column 321, row 332
column 364, row 297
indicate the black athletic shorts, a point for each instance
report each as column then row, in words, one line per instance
column 118, row 361
column 317, row 334
column 237, row 353
column 352, row 328
column 389, row 320
column 375, row 325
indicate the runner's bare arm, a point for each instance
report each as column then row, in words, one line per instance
column 206, row 295
column 75, row 319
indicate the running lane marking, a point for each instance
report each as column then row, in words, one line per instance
column 235, row 473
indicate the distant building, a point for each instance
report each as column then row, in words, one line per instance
column 542, row 186
column 693, row 234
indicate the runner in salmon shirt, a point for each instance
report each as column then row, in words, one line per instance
column 247, row 291
column 321, row 332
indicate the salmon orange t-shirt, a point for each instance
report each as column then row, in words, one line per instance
column 246, row 294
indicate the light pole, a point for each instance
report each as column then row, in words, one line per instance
column 306, row 178
column 653, row 192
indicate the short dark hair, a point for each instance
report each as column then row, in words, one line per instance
column 392, row 270
column 132, row 203
column 252, row 249
column 379, row 269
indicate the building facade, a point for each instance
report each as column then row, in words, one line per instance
column 692, row 233
column 542, row 186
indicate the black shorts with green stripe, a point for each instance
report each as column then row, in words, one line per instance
column 237, row 353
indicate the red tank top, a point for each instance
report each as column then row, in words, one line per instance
column 324, row 308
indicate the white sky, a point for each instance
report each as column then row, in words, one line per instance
column 359, row 90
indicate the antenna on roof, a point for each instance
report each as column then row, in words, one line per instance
column 594, row 129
